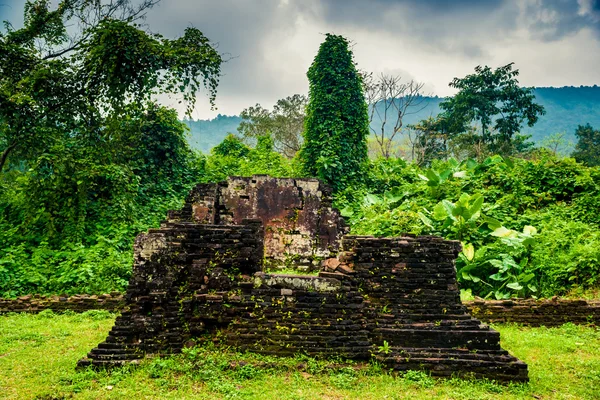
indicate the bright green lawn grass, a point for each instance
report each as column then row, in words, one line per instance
column 38, row 355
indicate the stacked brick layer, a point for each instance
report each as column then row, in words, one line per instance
column 529, row 312
column 78, row 303
column 174, row 266
column 549, row 313
column 415, row 314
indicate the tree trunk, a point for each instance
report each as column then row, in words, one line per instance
column 5, row 155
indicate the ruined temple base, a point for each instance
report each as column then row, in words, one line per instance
column 395, row 299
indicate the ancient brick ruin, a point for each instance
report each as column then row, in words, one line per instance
column 201, row 272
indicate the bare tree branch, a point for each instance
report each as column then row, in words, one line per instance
column 391, row 100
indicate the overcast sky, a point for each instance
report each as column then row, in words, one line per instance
column 273, row 42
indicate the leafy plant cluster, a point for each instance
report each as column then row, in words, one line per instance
column 64, row 233
column 527, row 227
column 87, row 158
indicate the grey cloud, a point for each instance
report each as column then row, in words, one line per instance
column 237, row 27
column 272, row 40
column 551, row 20
column 461, row 27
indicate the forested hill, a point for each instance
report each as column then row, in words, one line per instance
column 207, row 133
column 566, row 107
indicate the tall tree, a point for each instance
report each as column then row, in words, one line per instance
column 428, row 139
column 56, row 81
column 494, row 99
column 390, row 100
column 337, row 121
column 587, row 149
column 284, row 124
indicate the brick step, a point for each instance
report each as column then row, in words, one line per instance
column 111, row 356
column 423, row 317
column 497, row 365
column 452, row 354
column 471, row 339
column 107, row 345
column 458, row 352
column 113, row 363
column 115, row 351
column 456, row 364
column 432, row 326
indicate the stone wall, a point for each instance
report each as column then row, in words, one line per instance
column 201, row 275
column 537, row 312
column 413, row 305
column 527, row 312
column 300, row 225
column 79, row 303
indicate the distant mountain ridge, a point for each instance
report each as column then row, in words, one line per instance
column 566, row 108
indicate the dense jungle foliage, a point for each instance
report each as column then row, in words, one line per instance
column 89, row 161
column 529, row 227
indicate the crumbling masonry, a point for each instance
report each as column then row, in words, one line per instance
column 395, row 299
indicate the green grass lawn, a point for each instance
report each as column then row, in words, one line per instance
column 38, row 355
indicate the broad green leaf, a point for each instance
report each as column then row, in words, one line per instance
column 439, row 212
column 476, row 203
column 471, row 164
column 510, row 262
column 347, row 212
column 497, row 277
column 502, row 232
column 445, row 174
column 447, row 223
column 371, row 199
column 501, row 295
column 529, row 230
column 526, row 277
column 469, row 251
column 433, row 178
column 391, row 197
column 460, row 174
column 514, row 286
column 464, row 199
column 509, row 163
column 450, row 209
column 492, row 223
column 425, row 220
column 532, row 288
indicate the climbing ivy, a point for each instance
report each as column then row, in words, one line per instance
column 337, row 122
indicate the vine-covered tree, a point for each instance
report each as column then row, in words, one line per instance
column 87, row 159
column 496, row 102
column 56, row 81
column 337, row 121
